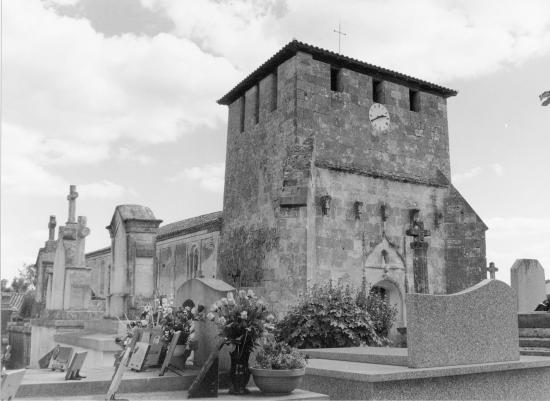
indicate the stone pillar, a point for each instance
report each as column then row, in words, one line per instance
column 133, row 232
column 527, row 278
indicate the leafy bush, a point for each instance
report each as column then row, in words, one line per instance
column 279, row 355
column 329, row 315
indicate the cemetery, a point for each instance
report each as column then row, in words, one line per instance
column 339, row 268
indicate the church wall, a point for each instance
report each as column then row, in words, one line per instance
column 416, row 144
column 465, row 244
column 262, row 245
column 175, row 259
column 345, row 242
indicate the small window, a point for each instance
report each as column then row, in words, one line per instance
column 414, row 100
column 274, row 87
column 378, row 91
column 335, row 80
column 241, row 122
column 257, row 105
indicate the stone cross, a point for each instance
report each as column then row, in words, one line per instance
column 492, row 269
column 51, row 228
column 420, row 249
column 72, row 204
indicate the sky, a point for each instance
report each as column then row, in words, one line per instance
column 119, row 98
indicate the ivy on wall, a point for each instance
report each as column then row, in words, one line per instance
column 242, row 257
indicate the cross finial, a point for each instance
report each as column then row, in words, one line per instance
column 340, row 33
column 51, row 228
column 492, row 269
column 72, row 203
column 545, row 98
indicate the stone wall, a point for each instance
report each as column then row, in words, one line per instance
column 464, row 243
column 100, row 262
column 184, row 257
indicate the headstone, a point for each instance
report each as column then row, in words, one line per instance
column 44, row 362
column 61, row 358
column 73, row 371
column 138, row 356
column 11, row 380
column 527, row 278
column 153, row 356
column 170, row 353
column 205, row 292
column 117, row 376
column 206, row 383
column 477, row 325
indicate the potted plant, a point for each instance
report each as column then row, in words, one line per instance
column 242, row 319
column 279, row 368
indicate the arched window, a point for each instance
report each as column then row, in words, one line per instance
column 195, row 262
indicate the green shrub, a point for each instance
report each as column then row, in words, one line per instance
column 279, row 355
column 329, row 315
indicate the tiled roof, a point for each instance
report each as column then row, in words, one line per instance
column 97, row 252
column 335, row 59
column 190, row 225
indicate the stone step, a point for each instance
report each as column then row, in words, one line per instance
column 44, row 383
column 255, row 394
column 534, row 332
column 378, row 355
column 534, row 320
column 534, row 342
column 534, row 351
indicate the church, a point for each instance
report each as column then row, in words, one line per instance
column 335, row 169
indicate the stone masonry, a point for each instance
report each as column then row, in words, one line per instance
column 312, row 188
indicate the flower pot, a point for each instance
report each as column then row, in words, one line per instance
column 273, row 381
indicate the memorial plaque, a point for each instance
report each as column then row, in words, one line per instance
column 169, row 354
column 138, row 356
column 44, row 362
column 117, row 376
column 61, row 357
column 206, row 383
column 153, row 356
column 11, row 379
column 73, row 371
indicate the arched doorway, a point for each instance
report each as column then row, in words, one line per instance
column 389, row 291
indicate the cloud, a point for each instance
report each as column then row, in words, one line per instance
column 432, row 39
column 497, row 168
column 210, row 177
column 127, row 154
column 461, row 177
column 103, row 189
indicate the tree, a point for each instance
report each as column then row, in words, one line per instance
column 26, row 280
column 5, row 285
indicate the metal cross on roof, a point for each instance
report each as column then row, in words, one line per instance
column 340, row 33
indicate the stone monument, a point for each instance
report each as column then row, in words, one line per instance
column 477, row 325
column 70, row 284
column 527, row 278
column 44, row 263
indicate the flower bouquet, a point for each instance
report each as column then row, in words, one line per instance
column 242, row 319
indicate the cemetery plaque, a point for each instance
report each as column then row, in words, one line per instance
column 11, row 379
column 73, row 371
column 117, row 376
column 206, row 383
column 153, row 356
column 169, row 354
column 138, row 356
column 61, row 357
column 44, row 362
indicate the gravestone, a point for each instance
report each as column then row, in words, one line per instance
column 73, row 371
column 169, row 353
column 11, row 380
column 153, row 356
column 477, row 325
column 60, row 358
column 206, row 383
column 205, row 291
column 117, row 376
column 138, row 356
column 527, row 278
